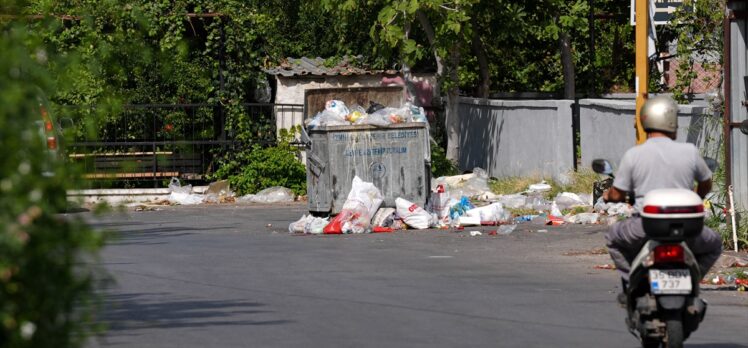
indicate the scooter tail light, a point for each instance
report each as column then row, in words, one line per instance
column 655, row 209
column 668, row 253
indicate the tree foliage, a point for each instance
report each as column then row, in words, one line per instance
column 46, row 271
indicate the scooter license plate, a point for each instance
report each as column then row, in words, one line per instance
column 670, row 281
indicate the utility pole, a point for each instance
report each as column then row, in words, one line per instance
column 642, row 64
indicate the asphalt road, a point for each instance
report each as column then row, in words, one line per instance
column 232, row 276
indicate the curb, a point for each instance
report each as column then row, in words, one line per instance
column 124, row 196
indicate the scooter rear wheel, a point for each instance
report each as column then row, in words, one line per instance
column 674, row 338
column 648, row 342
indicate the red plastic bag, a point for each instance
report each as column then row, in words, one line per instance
column 335, row 226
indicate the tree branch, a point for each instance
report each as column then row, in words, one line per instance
column 423, row 20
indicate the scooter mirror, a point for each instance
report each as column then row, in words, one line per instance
column 602, row 166
column 711, row 163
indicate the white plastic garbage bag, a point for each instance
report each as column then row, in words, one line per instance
column 183, row 194
column 513, row 201
column 315, row 225
column 275, row 194
column 473, row 185
column 439, row 204
column 185, row 198
column 491, row 213
column 568, row 200
column 338, row 107
column 468, row 220
column 298, row 225
column 584, row 218
column 176, row 186
column 555, row 211
column 385, row 217
column 327, row 118
column 539, row 187
column 413, row 215
column 362, row 203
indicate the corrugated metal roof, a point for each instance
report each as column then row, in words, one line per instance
column 316, row 67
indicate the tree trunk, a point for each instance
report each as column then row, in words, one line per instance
column 480, row 53
column 451, row 110
column 452, row 120
column 567, row 61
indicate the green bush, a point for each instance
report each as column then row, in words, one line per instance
column 46, row 261
column 262, row 167
column 440, row 165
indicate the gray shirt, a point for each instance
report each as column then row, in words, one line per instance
column 660, row 163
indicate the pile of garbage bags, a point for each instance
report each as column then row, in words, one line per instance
column 459, row 201
column 217, row 192
column 336, row 113
column 220, row 192
column 362, row 213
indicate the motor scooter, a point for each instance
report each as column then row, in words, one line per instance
column 662, row 295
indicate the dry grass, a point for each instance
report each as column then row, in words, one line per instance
column 579, row 182
column 505, row 186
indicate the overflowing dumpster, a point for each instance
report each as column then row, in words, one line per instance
column 395, row 157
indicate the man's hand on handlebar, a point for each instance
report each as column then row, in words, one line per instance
column 614, row 195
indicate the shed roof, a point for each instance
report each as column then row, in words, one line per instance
column 317, row 67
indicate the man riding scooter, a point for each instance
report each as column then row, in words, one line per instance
column 658, row 163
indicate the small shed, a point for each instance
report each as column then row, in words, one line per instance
column 294, row 76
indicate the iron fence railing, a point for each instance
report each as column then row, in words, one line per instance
column 152, row 143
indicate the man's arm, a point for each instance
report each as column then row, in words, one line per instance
column 704, row 187
column 614, row 195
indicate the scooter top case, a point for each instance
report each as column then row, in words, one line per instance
column 672, row 214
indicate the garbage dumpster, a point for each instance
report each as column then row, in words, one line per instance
column 397, row 159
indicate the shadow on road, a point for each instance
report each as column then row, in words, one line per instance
column 128, row 233
column 135, row 311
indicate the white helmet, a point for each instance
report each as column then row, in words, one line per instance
column 660, row 114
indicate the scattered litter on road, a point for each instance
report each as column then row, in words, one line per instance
column 539, row 187
column 473, row 185
column 542, row 231
column 583, row 218
column 597, row 251
column 555, row 221
column 468, row 221
column 143, row 207
column 614, row 209
column 506, row 229
column 513, row 201
column 185, row 198
column 568, row 200
column 218, row 192
column 475, row 233
column 605, row 266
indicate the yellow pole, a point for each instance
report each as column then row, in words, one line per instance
column 642, row 64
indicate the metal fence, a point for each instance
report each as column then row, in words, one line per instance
column 146, row 145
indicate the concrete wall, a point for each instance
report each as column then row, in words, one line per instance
column 516, row 138
column 607, row 129
column 535, row 137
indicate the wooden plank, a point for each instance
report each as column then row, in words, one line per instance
column 130, row 175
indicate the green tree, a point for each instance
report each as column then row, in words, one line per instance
column 47, row 270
